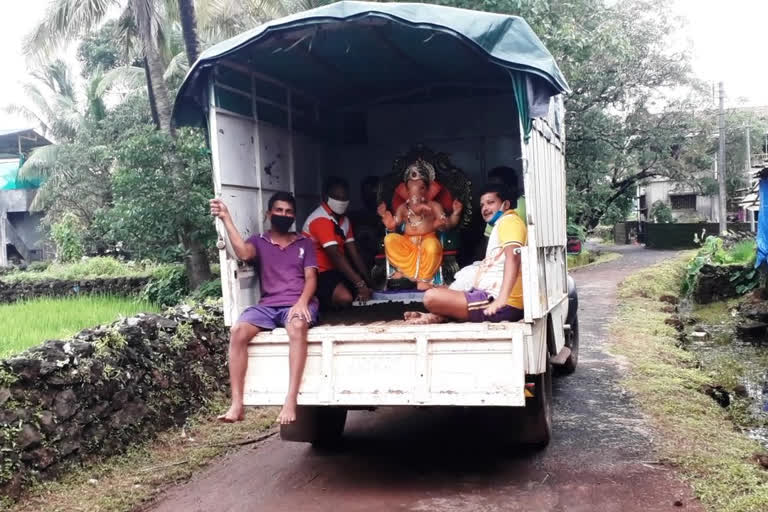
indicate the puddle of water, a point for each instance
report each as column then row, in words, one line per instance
column 746, row 359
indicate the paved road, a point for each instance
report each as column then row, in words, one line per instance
column 420, row 460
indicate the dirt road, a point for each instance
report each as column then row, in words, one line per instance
column 422, row 460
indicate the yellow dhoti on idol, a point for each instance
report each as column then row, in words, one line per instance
column 417, row 257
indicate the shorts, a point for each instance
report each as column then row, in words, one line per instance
column 272, row 317
column 327, row 282
column 478, row 300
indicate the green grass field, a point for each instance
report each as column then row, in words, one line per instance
column 28, row 323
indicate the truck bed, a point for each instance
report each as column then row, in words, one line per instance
column 389, row 313
column 368, row 356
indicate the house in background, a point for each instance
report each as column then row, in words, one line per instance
column 686, row 203
column 20, row 236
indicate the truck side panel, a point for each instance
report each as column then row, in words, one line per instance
column 545, row 257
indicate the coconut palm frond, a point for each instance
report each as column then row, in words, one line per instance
column 63, row 22
column 57, row 76
column 42, row 162
column 42, row 198
column 38, row 101
column 177, row 67
column 28, row 114
column 131, row 78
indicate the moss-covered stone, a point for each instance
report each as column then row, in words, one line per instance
column 106, row 388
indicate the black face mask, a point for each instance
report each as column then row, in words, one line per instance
column 281, row 223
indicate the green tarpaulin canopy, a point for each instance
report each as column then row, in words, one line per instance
column 351, row 53
column 9, row 176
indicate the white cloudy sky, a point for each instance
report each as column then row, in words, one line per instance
column 729, row 41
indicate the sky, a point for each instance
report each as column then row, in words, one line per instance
column 728, row 41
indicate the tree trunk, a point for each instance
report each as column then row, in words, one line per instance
column 142, row 12
column 195, row 261
column 189, row 29
column 151, row 93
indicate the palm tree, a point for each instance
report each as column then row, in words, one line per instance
column 65, row 20
column 53, row 103
column 189, row 29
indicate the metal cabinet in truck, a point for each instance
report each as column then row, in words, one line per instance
column 342, row 90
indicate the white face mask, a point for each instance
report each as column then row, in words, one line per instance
column 338, row 207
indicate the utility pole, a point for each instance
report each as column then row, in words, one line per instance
column 749, row 154
column 722, row 195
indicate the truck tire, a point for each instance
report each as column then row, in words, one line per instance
column 572, row 342
column 537, row 422
column 329, row 428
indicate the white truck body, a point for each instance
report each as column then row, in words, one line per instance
column 391, row 364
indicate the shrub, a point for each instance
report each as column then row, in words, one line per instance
column 661, row 213
column 210, row 289
column 88, row 268
column 67, row 234
column 38, row 266
column 713, row 252
column 167, row 287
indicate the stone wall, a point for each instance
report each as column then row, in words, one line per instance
column 105, row 389
column 12, row 292
column 718, row 282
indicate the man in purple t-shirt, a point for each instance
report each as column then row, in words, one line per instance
column 287, row 268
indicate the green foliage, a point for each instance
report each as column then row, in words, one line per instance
column 713, row 252
column 113, row 341
column 155, row 199
column 67, row 234
column 208, row 290
column 89, row 268
column 576, row 230
column 618, row 59
column 168, row 286
column 661, row 213
column 38, row 266
column 28, row 323
column 100, row 50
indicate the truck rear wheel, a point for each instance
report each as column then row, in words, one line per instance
column 537, row 424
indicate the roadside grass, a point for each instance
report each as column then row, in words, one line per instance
column 90, row 268
column 697, row 435
column 715, row 313
column 127, row 482
column 587, row 258
column 26, row 324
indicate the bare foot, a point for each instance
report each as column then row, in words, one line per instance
column 417, row 318
column 424, row 286
column 288, row 412
column 233, row 415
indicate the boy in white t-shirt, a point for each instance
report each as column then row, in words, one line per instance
column 493, row 289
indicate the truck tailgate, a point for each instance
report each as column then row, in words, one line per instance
column 385, row 364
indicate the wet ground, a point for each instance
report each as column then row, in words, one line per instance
column 600, row 459
column 730, row 356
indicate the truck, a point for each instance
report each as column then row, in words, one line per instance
column 342, row 90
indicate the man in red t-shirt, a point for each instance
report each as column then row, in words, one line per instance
column 343, row 275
